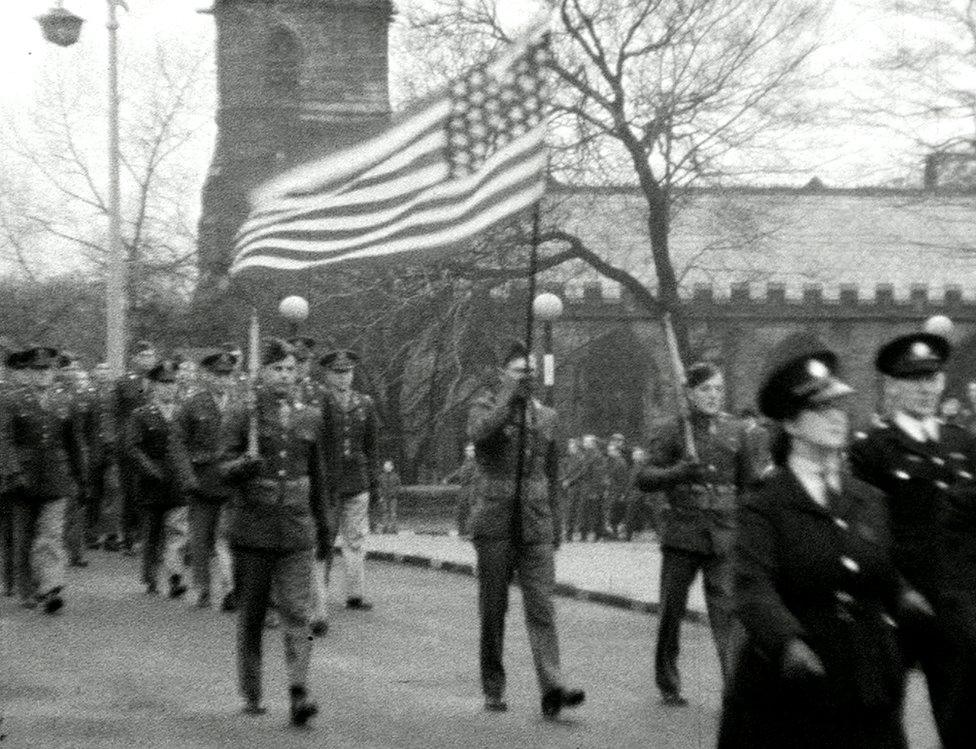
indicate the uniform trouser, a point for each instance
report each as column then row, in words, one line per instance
column 104, row 507
column 75, row 517
column 678, row 571
column 388, row 514
column 462, row 512
column 164, row 532
column 129, row 510
column 350, row 522
column 946, row 653
column 572, row 514
column 208, row 541
column 7, row 544
column 38, row 541
column 498, row 561
column 592, row 518
column 258, row 572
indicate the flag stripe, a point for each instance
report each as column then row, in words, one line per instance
column 424, row 240
column 381, row 213
column 337, row 168
column 313, row 243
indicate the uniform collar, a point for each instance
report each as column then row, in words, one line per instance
column 920, row 430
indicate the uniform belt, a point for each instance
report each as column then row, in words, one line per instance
column 713, row 496
column 280, row 491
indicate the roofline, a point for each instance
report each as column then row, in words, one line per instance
column 860, row 192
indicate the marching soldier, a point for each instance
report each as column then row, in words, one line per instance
column 928, row 471
column 154, row 445
column 517, row 532
column 200, row 420
column 8, row 469
column 589, row 481
column 49, row 458
column 104, row 446
column 131, row 393
column 349, row 434
column 698, row 524
column 276, row 519
column 71, row 383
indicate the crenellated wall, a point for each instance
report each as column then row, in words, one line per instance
column 608, row 350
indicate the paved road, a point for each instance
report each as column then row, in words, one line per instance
column 118, row 669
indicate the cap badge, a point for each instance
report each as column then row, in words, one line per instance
column 921, row 350
column 817, row 369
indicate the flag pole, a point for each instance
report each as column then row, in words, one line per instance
column 523, row 415
column 253, row 364
column 679, row 377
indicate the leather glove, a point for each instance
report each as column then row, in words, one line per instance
column 695, row 472
column 243, row 468
column 800, row 662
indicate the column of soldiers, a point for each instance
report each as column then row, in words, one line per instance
column 236, row 490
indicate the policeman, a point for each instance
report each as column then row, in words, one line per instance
column 698, row 525
column 517, row 530
column 927, row 470
column 349, row 433
column 276, row 519
column 590, row 481
column 154, row 444
column 50, row 467
column 200, row 418
column 130, row 393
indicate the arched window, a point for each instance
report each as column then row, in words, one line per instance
column 281, row 64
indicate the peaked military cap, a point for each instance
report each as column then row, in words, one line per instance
column 516, row 350
column 165, row 371
column 302, row 347
column 33, row 357
column 700, row 372
column 140, row 346
column 274, row 350
column 222, row 362
column 800, row 374
column 340, row 360
column 67, row 358
column 913, row 355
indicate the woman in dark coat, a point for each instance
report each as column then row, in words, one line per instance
column 815, row 589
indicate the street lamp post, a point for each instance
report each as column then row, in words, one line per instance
column 547, row 307
column 62, row 27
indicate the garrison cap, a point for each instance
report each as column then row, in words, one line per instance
column 274, row 350
column 340, row 360
column 67, row 358
column 33, row 357
column 913, row 355
column 222, row 362
column 700, row 372
column 800, row 374
column 165, row 371
column 516, row 350
column 140, row 346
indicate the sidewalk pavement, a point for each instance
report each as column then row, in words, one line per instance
column 613, row 573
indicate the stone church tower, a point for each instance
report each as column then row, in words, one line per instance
column 296, row 79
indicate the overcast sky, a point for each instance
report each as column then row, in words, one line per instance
column 841, row 154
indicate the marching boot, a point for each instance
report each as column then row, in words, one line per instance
column 302, row 708
column 176, row 586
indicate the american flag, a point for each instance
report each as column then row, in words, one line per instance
column 468, row 157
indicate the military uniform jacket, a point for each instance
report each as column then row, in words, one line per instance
column 493, row 427
column 283, row 506
column 701, row 517
column 588, row 474
column 823, row 575
column 46, row 430
column 931, row 489
column 155, row 447
column 468, row 477
column 350, row 437
column 200, row 419
column 9, row 467
column 130, row 392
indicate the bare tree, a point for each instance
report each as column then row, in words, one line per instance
column 661, row 94
column 61, row 205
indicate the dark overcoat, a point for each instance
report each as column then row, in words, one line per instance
column 824, row 576
column 200, row 419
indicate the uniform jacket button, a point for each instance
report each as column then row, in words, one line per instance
column 937, row 460
column 941, row 485
column 850, row 564
column 841, row 523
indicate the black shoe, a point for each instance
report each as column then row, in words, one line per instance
column 495, row 704
column 152, row 589
column 78, row 563
column 358, row 604
column 203, row 600
column 673, row 699
column 111, row 544
column 53, row 601
column 320, row 628
column 555, row 700
column 229, row 603
column 176, row 586
column 302, row 708
column 93, row 545
column 254, row 708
